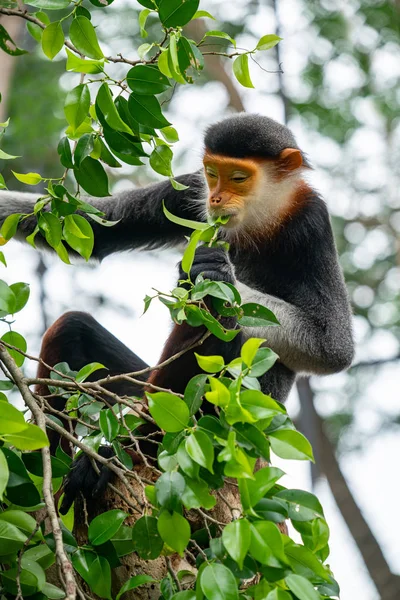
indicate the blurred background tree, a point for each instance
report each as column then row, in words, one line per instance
column 335, row 80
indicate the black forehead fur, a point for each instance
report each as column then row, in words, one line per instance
column 244, row 135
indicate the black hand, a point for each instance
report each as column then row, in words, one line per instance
column 82, row 478
column 212, row 263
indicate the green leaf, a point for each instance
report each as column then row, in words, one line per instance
column 82, row 243
column 4, row 472
column 52, row 39
column 178, row 186
column 34, row 464
column 221, row 34
column 259, row 405
column 133, row 583
column 80, row 65
column 163, row 62
column 52, row 592
column 301, row 588
column 184, row 222
column 8, row 45
column 87, row 370
column 50, row 4
column 264, row 360
column 197, row 495
column 147, row 80
column 219, row 394
column 35, row 31
column 264, row 480
column 28, row 178
column 160, row 160
column 7, row 299
column 109, row 424
column 83, row 36
column 174, row 530
column 175, row 13
column 17, row 340
column 200, row 449
column 249, row 350
column 169, row 412
column 30, row 438
column 256, row 315
column 11, row 419
column 188, row 255
column 10, row 225
column 101, row 3
column 173, row 60
column 278, row 594
column 22, row 520
column 194, row 393
column 241, row 70
column 170, row 135
column 142, row 21
column 188, row 466
column 302, row 506
column 146, row 539
column 236, row 538
column 77, row 104
column 62, row 253
column 169, row 487
column 92, row 177
column 108, row 109
column 218, row 583
column 50, row 225
column 84, row 148
column 5, row 156
column 202, row 13
column 64, row 151
column 12, row 539
column 267, row 42
column 149, row 3
column 304, row 557
column 290, row 444
column 251, row 438
column 95, row 570
column 146, row 110
column 210, row 364
column 105, row 526
column 267, row 544
column 2, row 187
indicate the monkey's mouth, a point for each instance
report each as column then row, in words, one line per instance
column 232, row 214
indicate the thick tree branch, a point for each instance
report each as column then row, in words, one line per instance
column 386, row 582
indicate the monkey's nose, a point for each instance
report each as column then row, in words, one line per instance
column 215, row 200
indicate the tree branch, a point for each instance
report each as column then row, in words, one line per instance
column 62, row 558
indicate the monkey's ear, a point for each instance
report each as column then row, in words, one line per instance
column 291, row 159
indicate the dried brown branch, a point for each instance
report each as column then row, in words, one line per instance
column 38, row 415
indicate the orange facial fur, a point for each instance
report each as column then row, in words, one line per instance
column 256, row 192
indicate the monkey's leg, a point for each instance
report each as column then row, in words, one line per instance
column 78, row 339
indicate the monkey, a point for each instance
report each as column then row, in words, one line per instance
column 281, row 254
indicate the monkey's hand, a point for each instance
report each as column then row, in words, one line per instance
column 211, row 263
column 83, row 479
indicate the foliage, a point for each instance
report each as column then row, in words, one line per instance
column 238, row 425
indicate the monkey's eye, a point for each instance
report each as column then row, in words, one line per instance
column 239, row 177
column 211, row 174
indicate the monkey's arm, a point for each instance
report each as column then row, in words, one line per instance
column 307, row 341
column 142, row 223
column 300, row 280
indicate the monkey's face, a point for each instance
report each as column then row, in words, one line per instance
column 254, row 192
column 231, row 183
